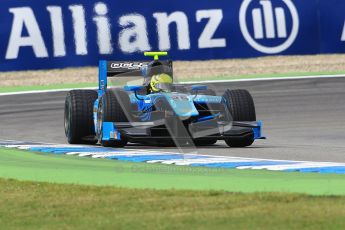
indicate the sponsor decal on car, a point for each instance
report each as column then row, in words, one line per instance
column 127, row 65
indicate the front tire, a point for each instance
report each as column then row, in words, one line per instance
column 111, row 110
column 78, row 116
column 241, row 106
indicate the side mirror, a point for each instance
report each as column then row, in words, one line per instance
column 133, row 88
column 199, row 87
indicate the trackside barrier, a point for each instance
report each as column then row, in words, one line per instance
column 55, row 34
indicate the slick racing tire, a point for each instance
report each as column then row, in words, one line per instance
column 110, row 109
column 241, row 106
column 78, row 117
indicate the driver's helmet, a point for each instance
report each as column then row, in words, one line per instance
column 155, row 68
column 161, row 83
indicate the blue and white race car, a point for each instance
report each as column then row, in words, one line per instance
column 157, row 111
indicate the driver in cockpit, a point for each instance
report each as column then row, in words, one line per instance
column 157, row 77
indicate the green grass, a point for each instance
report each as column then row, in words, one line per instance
column 24, row 165
column 34, row 205
column 10, row 89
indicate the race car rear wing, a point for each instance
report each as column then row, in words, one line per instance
column 115, row 68
column 121, row 69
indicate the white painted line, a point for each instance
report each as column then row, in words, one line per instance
column 203, row 161
column 91, row 154
column 269, row 79
column 24, row 147
column 11, row 146
column 122, row 153
column 9, row 142
column 191, row 82
column 292, row 166
column 127, row 154
column 43, row 91
column 73, row 153
column 150, row 151
column 84, row 154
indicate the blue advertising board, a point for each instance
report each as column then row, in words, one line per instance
column 47, row 34
column 332, row 26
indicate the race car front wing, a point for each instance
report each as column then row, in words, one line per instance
column 159, row 130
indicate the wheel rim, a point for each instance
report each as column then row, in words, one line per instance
column 100, row 121
column 67, row 117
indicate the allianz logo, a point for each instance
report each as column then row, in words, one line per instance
column 269, row 23
column 343, row 34
column 272, row 20
column 133, row 35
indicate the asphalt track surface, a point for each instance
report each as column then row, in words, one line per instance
column 303, row 119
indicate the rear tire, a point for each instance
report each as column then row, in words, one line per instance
column 113, row 112
column 78, row 118
column 241, row 106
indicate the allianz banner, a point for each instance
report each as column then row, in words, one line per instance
column 332, row 26
column 36, row 34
